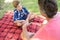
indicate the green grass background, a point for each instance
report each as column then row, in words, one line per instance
column 31, row 5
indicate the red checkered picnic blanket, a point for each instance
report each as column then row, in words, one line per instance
column 9, row 31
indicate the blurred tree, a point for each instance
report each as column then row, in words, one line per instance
column 1, row 4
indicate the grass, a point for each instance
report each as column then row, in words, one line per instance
column 31, row 5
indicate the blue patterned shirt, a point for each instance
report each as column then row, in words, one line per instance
column 20, row 15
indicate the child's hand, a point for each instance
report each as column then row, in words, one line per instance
column 19, row 21
column 19, row 24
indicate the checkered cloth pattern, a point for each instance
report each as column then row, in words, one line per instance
column 9, row 31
